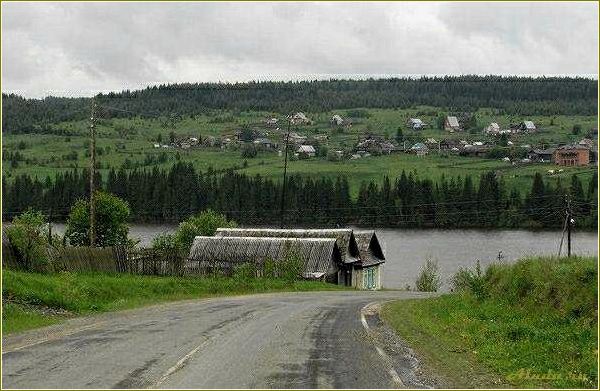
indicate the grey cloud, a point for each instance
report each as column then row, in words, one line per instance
column 83, row 48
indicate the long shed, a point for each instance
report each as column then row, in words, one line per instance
column 344, row 237
column 320, row 256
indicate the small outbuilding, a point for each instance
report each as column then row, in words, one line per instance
column 416, row 123
column 451, row 124
column 367, row 274
column 419, row 149
column 307, row 150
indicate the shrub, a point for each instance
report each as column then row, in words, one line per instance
column 245, row 271
column 429, row 279
column 28, row 233
column 203, row 224
column 111, row 221
column 165, row 242
column 471, row 281
column 291, row 267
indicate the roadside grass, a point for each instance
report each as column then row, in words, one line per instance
column 536, row 327
column 33, row 300
column 18, row 317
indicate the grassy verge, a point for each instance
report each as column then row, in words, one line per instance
column 532, row 325
column 33, row 300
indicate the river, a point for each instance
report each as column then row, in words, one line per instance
column 407, row 250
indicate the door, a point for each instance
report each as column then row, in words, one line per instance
column 370, row 278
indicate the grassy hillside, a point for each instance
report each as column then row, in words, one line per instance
column 130, row 141
column 531, row 325
column 33, row 300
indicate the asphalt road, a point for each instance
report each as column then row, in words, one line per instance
column 284, row 340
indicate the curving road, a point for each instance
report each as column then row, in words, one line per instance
column 283, row 340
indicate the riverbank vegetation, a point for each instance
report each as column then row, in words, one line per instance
column 531, row 325
column 33, row 300
column 406, row 201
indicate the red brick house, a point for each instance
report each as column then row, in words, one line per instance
column 572, row 155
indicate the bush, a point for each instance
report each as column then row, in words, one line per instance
column 245, row 271
column 203, row 224
column 289, row 269
column 111, row 221
column 429, row 279
column 470, row 281
column 164, row 242
column 28, row 233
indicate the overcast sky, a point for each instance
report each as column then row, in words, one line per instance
column 75, row 49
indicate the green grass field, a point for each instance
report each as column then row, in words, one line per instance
column 33, row 300
column 536, row 327
column 131, row 140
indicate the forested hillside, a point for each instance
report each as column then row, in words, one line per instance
column 512, row 95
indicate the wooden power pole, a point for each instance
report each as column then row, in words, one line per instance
column 92, row 174
column 287, row 140
column 569, row 224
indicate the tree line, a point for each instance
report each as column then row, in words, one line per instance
column 510, row 95
column 171, row 195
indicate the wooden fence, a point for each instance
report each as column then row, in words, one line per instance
column 107, row 260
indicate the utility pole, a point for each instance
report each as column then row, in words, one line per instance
column 287, row 140
column 92, row 174
column 50, row 226
column 569, row 224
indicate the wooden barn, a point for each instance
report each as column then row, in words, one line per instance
column 320, row 256
column 346, row 263
column 344, row 238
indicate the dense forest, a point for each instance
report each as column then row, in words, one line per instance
column 406, row 201
column 508, row 95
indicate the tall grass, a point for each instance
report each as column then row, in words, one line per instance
column 530, row 324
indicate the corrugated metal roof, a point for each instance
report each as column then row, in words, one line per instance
column 453, row 121
column 344, row 237
column 319, row 255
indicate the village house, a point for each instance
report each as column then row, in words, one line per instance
column 475, row 150
column 300, row 119
column 493, row 129
column 306, row 150
column 265, row 143
column 375, row 145
column 587, row 142
column 432, row 143
column 541, row 155
column 419, row 149
column 416, row 123
column 295, row 138
column 572, row 155
column 525, row 126
column 451, row 124
column 272, row 122
column 336, row 120
column 448, row 144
